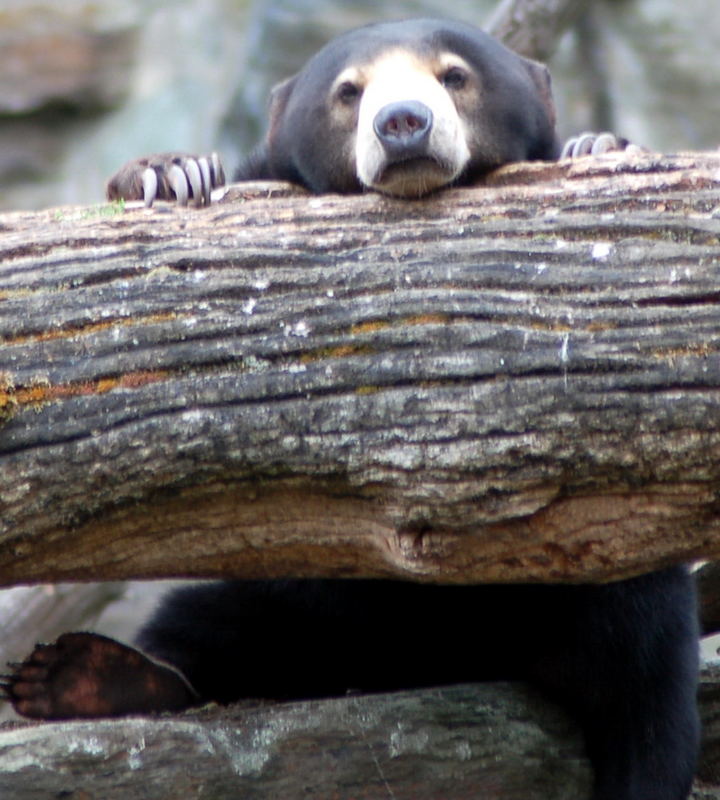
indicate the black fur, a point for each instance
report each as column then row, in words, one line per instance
column 621, row 657
column 514, row 119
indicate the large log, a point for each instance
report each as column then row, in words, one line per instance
column 517, row 381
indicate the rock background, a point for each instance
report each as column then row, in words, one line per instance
column 86, row 85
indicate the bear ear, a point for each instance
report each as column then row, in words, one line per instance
column 541, row 78
column 279, row 96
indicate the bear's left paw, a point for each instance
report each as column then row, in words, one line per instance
column 167, row 176
column 592, row 144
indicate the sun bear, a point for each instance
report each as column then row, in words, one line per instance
column 402, row 108
column 405, row 109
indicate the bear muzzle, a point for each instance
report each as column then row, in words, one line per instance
column 403, row 129
column 406, row 162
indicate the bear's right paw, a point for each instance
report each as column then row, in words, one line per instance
column 88, row 675
column 167, row 176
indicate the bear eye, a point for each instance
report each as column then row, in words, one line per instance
column 454, row 78
column 348, row 92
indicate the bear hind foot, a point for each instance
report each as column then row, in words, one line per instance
column 87, row 675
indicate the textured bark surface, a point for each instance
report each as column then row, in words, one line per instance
column 510, row 382
column 455, row 743
column 452, row 743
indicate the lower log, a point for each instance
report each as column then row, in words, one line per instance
column 452, row 743
column 455, row 743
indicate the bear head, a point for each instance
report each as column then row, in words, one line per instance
column 408, row 107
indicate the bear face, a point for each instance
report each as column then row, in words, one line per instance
column 405, row 108
column 402, row 108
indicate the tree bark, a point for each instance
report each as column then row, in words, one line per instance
column 517, row 381
column 533, row 28
column 454, row 743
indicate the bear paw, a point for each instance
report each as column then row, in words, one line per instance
column 87, row 675
column 587, row 144
column 167, row 176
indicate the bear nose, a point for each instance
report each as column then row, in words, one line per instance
column 404, row 128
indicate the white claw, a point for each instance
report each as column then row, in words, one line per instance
column 567, row 150
column 604, row 143
column 206, row 179
column 218, row 174
column 192, row 171
column 635, row 150
column 179, row 183
column 150, row 183
column 583, row 145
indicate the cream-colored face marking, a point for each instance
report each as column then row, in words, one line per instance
column 400, row 76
